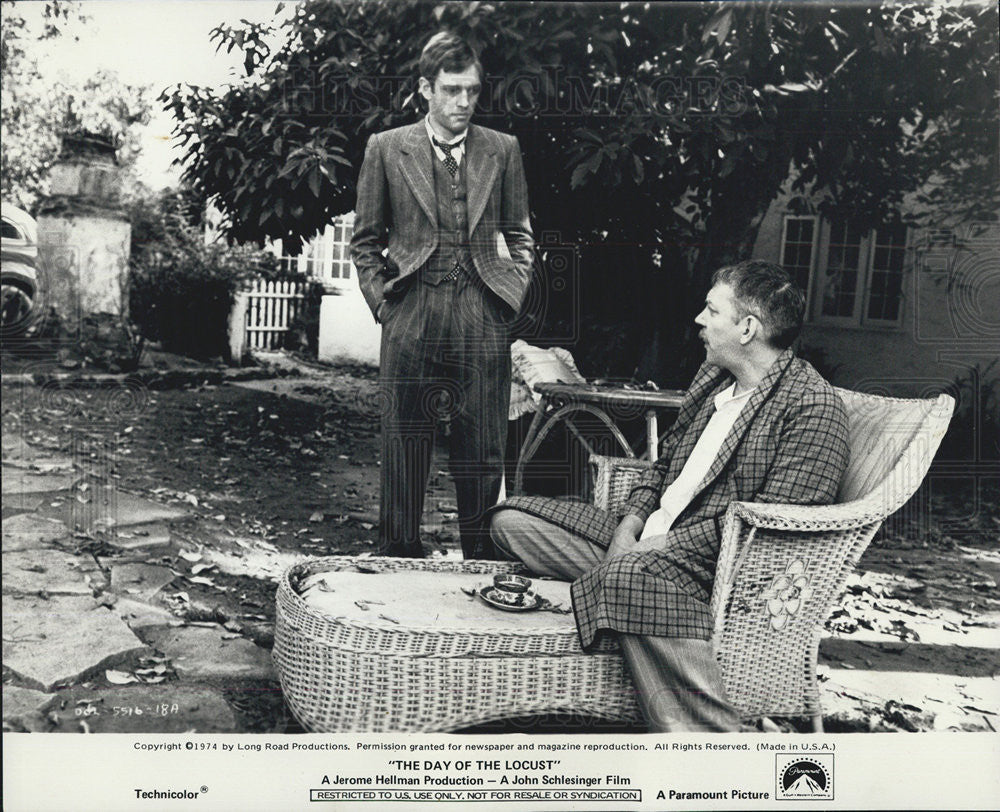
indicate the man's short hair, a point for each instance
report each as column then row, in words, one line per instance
column 449, row 52
column 766, row 291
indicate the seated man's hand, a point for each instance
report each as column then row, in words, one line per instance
column 625, row 537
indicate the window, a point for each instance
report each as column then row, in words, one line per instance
column 798, row 243
column 839, row 279
column 340, row 261
column 885, row 289
column 851, row 276
column 327, row 257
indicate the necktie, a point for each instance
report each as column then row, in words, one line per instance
column 449, row 160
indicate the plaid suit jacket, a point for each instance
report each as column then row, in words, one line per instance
column 789, row 444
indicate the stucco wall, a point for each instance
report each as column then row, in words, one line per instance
column 950, row 317
column 84, row 258
column 347, row 331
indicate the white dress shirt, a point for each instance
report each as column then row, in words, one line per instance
column 456, row 154
column 682, row 490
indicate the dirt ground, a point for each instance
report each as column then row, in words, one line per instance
column 270, row 470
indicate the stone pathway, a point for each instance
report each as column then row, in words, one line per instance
column 90, row 643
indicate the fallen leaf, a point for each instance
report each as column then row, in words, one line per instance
column 201, row 568
column 187, row 555
column 119, row 677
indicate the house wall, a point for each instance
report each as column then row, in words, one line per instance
column 347, row 331
column 950, row 317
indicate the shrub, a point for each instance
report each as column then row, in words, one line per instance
column 180, row 289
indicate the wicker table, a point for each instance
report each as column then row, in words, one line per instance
column 561, row 401
column 395, row 644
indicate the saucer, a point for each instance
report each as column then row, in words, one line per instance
column 531, row 600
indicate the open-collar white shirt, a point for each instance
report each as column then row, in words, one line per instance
column 682, row 490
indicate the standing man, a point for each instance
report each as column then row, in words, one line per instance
column 442, row 244
column 756, row 425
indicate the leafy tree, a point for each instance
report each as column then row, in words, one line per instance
column 38, row 109
column 655, row 135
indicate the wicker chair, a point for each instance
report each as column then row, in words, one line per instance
column 782, row 567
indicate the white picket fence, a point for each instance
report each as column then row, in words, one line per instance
column 271, row 306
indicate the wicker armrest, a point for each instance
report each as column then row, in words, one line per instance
column 613, row 479
column 815, row 518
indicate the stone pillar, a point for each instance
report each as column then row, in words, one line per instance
column 84, row 241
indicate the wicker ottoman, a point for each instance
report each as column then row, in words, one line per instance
column 400, row 645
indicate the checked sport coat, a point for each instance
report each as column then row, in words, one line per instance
column 789, row 444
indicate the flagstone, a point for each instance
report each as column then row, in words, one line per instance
column 56, row 464
column 20, row 702
column 52, row 571
column 27, row 532
column 17, row 481
column 140, row 615
column 139, row 579
column 130, row 509
column 204, row 653
column 21, row 503
column 15, row 447
column 163, row 708
column 62, row 639
column 141, row 537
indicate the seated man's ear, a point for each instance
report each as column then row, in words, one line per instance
column 751, row 328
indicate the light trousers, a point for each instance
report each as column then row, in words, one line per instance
column 678, row 683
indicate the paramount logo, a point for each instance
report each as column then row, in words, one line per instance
column 803, row 778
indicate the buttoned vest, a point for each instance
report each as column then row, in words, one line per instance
column 452, row 221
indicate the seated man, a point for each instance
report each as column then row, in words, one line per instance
column 757, row 424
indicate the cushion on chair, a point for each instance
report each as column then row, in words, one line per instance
column 535, row 364
column 880, row 431
column 531, row 365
